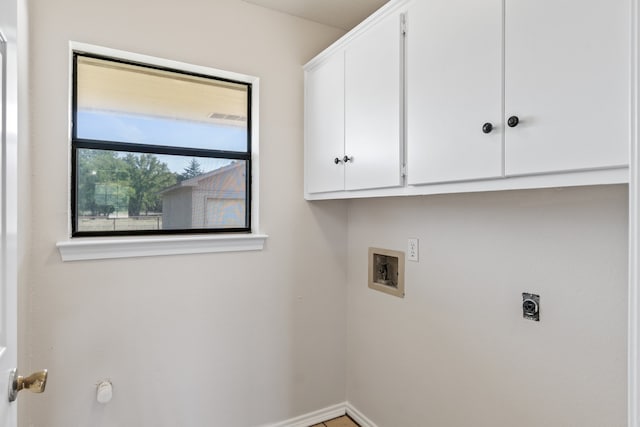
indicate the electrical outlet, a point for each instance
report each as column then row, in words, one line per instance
column 412, row 250
column 531, row 306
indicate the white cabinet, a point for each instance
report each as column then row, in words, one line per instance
column 353, row 111
column 479, row 95
column 373, row 124
column 454, row 87
column 560, row 67
column 567, row 66
column 324, row 125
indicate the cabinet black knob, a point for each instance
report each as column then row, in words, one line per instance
column 487, row 128
column 347, row 159
column 513, row 121
column 336, row 161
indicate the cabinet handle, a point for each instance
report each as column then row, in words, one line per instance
column 347, row 159
column 513, row 121
column 337, row 161
column 487, row 127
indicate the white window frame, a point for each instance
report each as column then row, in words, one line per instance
column 88, row 248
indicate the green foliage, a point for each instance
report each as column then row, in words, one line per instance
column 111, row 197
column 107, row 183
column 102, row 182
column 191, row 171
column 147, row 177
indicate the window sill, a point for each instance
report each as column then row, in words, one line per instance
column 107, row 248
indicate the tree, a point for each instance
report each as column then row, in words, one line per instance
column 102, row 182
column 148, row 176
column 191, row 171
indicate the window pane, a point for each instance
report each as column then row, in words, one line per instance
column 120, row 191
column 136, row 104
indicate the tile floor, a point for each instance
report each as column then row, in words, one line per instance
column 343, row 421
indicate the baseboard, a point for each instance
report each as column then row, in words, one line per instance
column 315, row 417
column 325, row 414
column 358, row 416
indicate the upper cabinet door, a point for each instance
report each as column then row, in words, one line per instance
column 324, row 126
column 454, row 90
column 567, row 81
column 373, row 131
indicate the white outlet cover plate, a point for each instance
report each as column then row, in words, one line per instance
column 412, row 249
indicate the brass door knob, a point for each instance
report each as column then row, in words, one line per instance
column 35, row 383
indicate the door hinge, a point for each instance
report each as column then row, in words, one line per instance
column 403, row 24
column 403, row 171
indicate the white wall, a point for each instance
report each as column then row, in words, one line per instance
column 230, row 340
column 456, row 352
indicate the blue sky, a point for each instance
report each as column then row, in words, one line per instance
column 139, row 129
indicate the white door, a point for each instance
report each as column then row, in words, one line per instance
column 324, row 126
column 9, row 220
column 567, row 80
column 8, row 207
column 373, row 109
column 454, row 90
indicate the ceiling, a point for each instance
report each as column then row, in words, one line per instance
column 344, row 14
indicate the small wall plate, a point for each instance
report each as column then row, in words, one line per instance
column 386, row 271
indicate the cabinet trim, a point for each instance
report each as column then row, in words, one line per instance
column 633, row 330
column 572, row 179
column 343, row 41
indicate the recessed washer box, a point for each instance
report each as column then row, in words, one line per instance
column 386, row 271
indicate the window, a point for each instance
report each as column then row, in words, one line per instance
column 158, row 150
